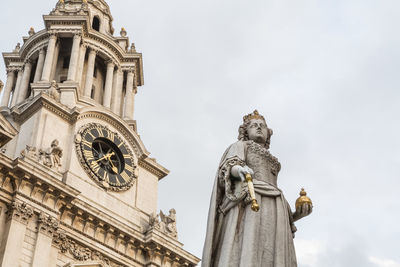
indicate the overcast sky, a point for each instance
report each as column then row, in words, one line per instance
column 325, row 74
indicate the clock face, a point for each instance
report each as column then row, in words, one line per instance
column 105, row 157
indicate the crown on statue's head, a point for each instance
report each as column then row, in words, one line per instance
column 254, row 115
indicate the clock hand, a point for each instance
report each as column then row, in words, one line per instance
column 115, row 169
column 108, row 156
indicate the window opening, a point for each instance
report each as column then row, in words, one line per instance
column 96, row 23
column 66, row 62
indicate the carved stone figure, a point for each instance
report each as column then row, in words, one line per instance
column 170, row 222
column 53, row 91
column 29, row 152
column 17, row 47
column 239, row 234
column 52, row 156
column 1, row 85
column 167, row 224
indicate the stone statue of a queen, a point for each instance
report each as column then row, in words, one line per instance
column 238, row 236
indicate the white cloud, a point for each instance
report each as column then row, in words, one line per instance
column 307, row 251
column 384, row 262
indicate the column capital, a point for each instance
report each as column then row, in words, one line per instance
column 28, row 61
column 85, row 45
column 19, row 69
column 53, row 34
column 131, row 70
column 47, row 224
column 19, row 211
column 42, row 50
column 77, row 35
column 10, row 70
column 93, row 50
column 109, row 62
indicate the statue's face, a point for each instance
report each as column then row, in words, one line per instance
column 258, row 131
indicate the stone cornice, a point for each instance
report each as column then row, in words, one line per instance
column 39, row 37
column 68, row 23
column 24, row 110
column 153, row 167
column 7, row 131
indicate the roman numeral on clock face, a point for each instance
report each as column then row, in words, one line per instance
column 87, row 143
column 129, row 168
column 95, row 166
column 88, row 154
column 110, row 135
column 125, row 176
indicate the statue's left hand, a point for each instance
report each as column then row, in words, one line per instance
column 302, row 211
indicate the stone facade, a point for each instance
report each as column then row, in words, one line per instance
column 53, row 211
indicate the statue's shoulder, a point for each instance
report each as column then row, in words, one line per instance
column 237, row 146
column 235, row 150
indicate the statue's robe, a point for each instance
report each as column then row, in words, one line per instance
column 236, row 235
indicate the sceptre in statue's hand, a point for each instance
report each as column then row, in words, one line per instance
column 245, row 173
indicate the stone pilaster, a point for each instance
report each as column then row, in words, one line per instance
column 47, row 226
column 108, row 85
column 90, row 72
column 39, row 66
column 116, row 101
column 9, row 84
column 130, row 94
column 73, row 63
column 48, row 63
column 18, row 215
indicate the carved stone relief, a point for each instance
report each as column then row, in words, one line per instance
column 50, row 157
column 78, row 251
column 53, row 91
column 19, row 211
column 164, row 223
column 47, row 224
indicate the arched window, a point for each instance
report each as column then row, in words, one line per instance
column 96, row 23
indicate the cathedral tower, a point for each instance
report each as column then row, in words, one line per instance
column 77, row 185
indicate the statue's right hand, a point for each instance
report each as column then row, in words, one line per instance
column 241, row 171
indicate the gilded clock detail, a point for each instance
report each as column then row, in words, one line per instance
column 105, row 157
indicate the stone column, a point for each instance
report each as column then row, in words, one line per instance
column 81, row 63
column 18, row 215
column 90, row 72
column 16, row 89
column 55, row 61
column 47, row 226
column 108, row 85
column 73, row 63
column 48, row 63
column 39, row 66
column 25, row 82
column 116, row 101
column 9, row 84
column 129, row 96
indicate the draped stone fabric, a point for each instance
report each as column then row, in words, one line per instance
column 236, row 235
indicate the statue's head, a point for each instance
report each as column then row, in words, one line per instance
column 55, row 143
column 255, row 128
